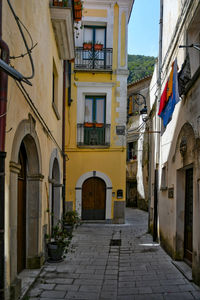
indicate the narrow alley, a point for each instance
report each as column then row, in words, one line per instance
column 114, row 262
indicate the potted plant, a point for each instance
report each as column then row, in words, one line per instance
column 78, row 10
column 87, row 45
column 71, row 220
column 98, row 46
column 57, row 243
column 62, row 3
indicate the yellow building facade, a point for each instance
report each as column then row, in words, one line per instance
column 96, row 117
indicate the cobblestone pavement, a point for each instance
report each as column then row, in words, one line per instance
column 94, row 269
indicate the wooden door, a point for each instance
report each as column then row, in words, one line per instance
column 21, row 213
column 188, row 215
column 93, row 199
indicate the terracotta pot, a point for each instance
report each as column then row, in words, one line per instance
column 98, row 47
column 88, row 124
column 78, row 15
column 99, row 125
column 87, row 46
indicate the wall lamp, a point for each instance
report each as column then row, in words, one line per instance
column 195, row 46
column 140, row 100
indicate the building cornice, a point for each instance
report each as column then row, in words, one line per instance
column 95, row 84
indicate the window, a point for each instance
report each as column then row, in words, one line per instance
column 133, row 107
column 132, row 151
column 95, row 110
column 94, row 120
column 95, row 34
column 55, row 91
column 164, row 177
column 193, row 37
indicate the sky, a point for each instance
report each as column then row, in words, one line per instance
column 143, row 29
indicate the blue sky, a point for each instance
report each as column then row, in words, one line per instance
column 143, row 29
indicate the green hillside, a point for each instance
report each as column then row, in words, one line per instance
column 140, row 66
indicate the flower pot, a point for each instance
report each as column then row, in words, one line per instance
column 98, row 47
column 77, row 15
column 55, row 251
column 99, row 125
column 88, row 125
column 68, row 228
column 87, row 46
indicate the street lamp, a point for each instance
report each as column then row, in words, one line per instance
column 12, row 72
column 195, row 46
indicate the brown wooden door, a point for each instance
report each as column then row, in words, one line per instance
column 93, row 199
column 188, row 215
column 21, row 213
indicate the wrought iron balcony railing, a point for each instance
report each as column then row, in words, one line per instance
column 93, row 136
column 93, row 59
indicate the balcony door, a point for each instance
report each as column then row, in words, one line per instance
column 94, row 121
column 96, row 35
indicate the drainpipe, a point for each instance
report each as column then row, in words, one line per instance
column 3, row 103
column 156, row 178
column 63, row 135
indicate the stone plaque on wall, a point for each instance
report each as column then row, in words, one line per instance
column 120, row 130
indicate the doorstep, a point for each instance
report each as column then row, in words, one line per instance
column 28, row 277
column 183, row 268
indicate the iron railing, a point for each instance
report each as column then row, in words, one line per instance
column 93, row 135
column 93, row 59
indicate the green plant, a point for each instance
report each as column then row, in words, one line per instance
column 58, row 235
column 98, row 43
column 87, row 42
column 71, row 218
column 65, row 3
column 77, row 2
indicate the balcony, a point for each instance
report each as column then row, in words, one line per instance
column 96, row 60
column 93, row 136
column 62, row 21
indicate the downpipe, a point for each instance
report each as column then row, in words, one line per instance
column 157, row 167
column 3, row 110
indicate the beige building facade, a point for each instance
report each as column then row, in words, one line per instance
column 34, row 127
column 175, row 202
column 137, row 164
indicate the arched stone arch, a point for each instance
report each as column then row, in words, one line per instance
column 186, row 137
column 185, row 164
column 26, row 133
column 55, row 186
column 108, row 183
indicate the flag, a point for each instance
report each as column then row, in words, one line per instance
column 163, row 99
column 166, row 112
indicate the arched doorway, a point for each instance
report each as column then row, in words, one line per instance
column 21, row 211
column 25, row 191
column 93, row 199
column 188, row 230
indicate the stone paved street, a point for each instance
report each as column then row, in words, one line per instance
column 94, row 269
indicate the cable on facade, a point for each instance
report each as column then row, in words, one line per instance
column 20, row 24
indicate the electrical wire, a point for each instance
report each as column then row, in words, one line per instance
column 24, row 54
column 19, row 24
